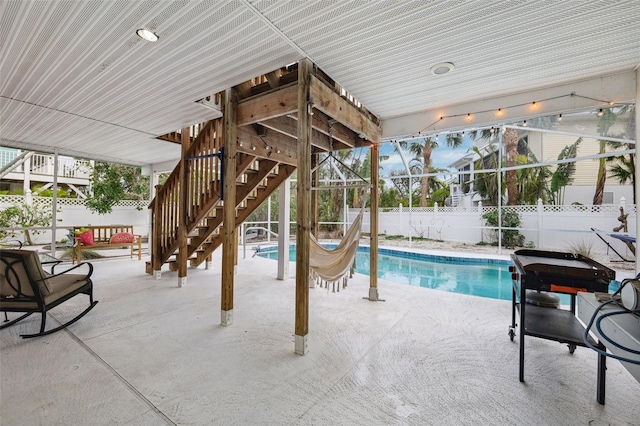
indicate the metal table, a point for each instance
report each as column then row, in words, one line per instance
column 556, row 272
column 47, row 259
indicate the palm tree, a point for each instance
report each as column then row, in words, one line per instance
column 624, row 168
column 422, row 151
column 363, row 168
column 511, row 177
column 511, row 140
column 487, row 183
column 563, row 175
column 532, row 181
column 605, row 122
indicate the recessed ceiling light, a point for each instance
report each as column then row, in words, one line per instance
column 442, row 68
column 148, row 35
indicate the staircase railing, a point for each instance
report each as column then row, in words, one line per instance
column 203, row 188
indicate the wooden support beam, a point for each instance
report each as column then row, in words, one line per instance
column 330, row 103
column 182, row 224
column 343, row 137
column 244, row 89
column 303, row 204
column 253, row 145
column 274, row 78
column 289, row 126
column 373, row 220
column 269, row 105
column 229, row 205
column 339, row 132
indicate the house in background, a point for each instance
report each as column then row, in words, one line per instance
column 29, row 172
column 543, row 143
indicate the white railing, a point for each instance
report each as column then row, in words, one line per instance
column 42, row 164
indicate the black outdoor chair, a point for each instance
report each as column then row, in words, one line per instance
column 26, row 287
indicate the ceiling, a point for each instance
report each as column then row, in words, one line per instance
column 75, row 77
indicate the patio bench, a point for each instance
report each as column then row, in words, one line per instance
column 105, row 237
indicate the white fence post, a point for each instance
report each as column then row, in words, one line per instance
column 540, row 209
column 480, row 213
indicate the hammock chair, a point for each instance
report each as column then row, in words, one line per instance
column 335, row 265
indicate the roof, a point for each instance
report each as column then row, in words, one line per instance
column 76, row 78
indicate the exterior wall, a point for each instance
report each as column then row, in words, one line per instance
column 547, row 146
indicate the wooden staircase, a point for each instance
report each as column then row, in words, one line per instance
column 199, row 175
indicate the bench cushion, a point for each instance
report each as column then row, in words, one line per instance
column 86, row 238
column 122, row 237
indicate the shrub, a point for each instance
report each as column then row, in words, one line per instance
column 511, row 238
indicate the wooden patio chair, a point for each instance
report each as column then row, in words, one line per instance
column 26, row 287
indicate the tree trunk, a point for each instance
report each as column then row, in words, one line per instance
column 511, row 145
column 602, row 178
column 424, row 185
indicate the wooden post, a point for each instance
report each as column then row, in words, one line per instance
column 373, row 220
column 182, row 208
column 230, row 103
column 303, row 204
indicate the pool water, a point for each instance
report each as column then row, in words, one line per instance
column 477, row 277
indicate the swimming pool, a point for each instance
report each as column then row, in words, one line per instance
column 477, row 277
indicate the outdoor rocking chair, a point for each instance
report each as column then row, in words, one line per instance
column 26, row 287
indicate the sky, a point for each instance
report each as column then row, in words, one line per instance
column 441, row 157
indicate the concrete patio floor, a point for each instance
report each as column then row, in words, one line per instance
column 151, row 353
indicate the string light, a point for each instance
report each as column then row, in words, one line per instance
column 600, row 113
column 500, row 110
column 525, row 123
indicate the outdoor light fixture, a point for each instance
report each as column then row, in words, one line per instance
column 525, row 123
column 600, row 113
column 146, row 34
column 442, row 68
column 559, row 117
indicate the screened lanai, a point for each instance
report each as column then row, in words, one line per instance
column 79, row 81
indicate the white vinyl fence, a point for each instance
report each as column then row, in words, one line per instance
column 72, row 212
column 547, row 227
